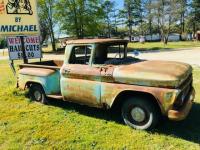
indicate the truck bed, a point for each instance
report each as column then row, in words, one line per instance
column 45, row 73
column 51, row 64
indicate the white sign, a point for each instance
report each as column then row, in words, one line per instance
column 31, row 45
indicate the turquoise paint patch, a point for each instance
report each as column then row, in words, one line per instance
column 97, row 92
column 51, row 83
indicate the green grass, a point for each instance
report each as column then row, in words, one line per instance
column 61, row 125
column 160, row 45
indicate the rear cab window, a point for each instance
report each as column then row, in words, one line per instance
column 110, row 54
column 80, row 54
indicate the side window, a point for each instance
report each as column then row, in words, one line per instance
column 80, row 55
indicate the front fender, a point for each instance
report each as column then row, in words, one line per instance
column 164, row 97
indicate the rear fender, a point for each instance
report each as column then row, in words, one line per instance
column 50, row 83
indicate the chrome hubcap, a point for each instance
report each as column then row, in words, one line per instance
column 138, row 114
column 37, row 95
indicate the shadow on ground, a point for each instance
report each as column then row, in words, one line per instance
column 188, row 129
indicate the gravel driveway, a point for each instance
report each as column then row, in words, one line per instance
column 190, row 56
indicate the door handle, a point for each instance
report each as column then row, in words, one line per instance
column 66, row 70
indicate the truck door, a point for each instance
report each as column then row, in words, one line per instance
column 80, row 82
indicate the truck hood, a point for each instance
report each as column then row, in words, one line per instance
column 153, row 73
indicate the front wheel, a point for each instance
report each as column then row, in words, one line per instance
column 37, row 93
column 140, row 113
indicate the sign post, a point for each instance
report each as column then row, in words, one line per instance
column 23, row 50
column 12, row 67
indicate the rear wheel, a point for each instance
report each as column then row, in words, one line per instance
column 37, row 93
column 140, row 113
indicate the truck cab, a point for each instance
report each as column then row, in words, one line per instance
column 100, row 73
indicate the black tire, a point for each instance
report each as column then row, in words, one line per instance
column 140, row 113
column 37, row 93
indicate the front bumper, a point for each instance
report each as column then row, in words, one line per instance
column 178, row 115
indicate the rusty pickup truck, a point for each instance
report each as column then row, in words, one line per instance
column 100, row 73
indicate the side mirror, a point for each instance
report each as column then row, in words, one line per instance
column 136, row 53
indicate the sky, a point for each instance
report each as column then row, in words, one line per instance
column 119, row 3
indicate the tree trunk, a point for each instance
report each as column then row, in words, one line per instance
column 194, row 30
column 150, row 28
column 109, row 32
column 53, row 42
column 182, row 26
column 130, row 33
column 76, row 20
column 81, row 15
column 51, row 26
column 165, row 39
column 150, row 18
column 129, row 22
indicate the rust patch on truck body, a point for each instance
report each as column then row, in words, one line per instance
column 164, row 97
column 153, row 73
column 81, row 84
column 36, row 72
column 95, row 41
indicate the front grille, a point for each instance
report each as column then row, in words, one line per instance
column 184, row 94
column 186, row 82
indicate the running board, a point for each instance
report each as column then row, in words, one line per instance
column 55, row 96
